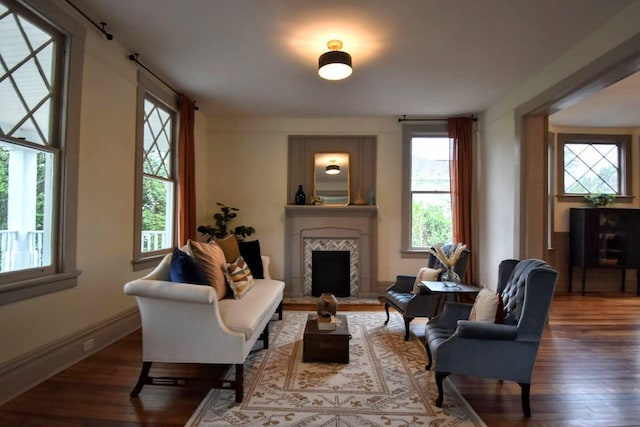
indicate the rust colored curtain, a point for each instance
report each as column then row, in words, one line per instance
column 460, row 133
column 186, row 172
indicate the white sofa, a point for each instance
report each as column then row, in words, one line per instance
column 185, row 323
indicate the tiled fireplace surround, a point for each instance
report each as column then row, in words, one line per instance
column 344, row 228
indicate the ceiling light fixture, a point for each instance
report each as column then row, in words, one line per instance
column 332, row 170
column 335, row 64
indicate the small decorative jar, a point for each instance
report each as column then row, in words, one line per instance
column 301, row 198
column 327, row 303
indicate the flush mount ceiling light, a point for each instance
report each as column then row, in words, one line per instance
column 332, row 169
column 335, row 64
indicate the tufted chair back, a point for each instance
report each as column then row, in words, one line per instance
column 513, row 290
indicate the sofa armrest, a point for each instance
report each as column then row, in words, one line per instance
column 266, row 262
column 486, row 331
column 160, row 289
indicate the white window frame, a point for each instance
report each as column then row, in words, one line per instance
column 30, row 283
column 151, row 90
column 433, row 129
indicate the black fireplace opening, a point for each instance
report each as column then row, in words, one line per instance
column 331, row 273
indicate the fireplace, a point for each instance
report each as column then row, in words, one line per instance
column 329, row 249
column 330, row 273
column 350, row 229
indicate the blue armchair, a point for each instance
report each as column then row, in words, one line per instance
column 504, row 351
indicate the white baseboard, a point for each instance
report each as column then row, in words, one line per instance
column 32, row 368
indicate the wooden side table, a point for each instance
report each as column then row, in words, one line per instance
column 326, row 346
column 447, row 291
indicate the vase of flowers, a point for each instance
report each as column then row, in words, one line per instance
column 449, row 277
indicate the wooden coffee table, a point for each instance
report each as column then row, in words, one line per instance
column 326, row 346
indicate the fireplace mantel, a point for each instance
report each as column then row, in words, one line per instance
column 322, row 210
column 331, row 222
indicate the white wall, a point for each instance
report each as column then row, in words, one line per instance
column 498, row 186
column 248, row 170
column 105, row 209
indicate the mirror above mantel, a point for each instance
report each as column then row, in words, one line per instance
column 331, row 178
column 360, row 151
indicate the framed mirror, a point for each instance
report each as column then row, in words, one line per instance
column 331, row 178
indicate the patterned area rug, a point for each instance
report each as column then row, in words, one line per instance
column 384, row 384
column 341, row 300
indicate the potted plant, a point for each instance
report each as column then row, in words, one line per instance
column 600, row 200
column 221, row 228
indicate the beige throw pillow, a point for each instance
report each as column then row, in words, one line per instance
column 485, row 306
column 210, row 258
column 427, row 274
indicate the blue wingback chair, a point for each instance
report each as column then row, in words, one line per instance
column 424, row 303
column 504, row 351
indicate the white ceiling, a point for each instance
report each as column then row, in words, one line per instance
column 615, row 106
column 414, row 57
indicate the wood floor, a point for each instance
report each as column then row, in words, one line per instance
column 587, row 374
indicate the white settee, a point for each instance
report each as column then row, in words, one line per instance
column 185, row 323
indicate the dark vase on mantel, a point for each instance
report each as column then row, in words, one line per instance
column 301, row 198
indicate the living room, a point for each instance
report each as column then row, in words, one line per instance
column 241, row 160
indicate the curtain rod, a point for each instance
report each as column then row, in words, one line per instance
column 404, row 118
column 134, row 57
column 100, row 27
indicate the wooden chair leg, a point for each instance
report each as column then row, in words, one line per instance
column 440, row 376
column 279, row 311
column 429, row 357
column 142, row 379
column 407, row 321
column 526, row 405
column 239, row 382
column 386, row 308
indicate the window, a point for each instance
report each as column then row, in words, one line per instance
column 156, row 174
column 427, row 216
column 594, row 164
column 39, row 101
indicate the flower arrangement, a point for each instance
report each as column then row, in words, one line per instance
column 448, row 261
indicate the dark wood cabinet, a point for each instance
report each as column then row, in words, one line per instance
column 604, row 238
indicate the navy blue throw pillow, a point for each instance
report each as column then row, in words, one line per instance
column 185, row 269
column 250, row 251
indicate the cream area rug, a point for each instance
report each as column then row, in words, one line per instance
column 384, row 384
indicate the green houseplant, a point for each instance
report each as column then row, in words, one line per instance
column 221, row 228
column 600, row 200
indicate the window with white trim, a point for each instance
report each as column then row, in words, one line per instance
column 156, row 173
column 38, row 147
column 427, row 217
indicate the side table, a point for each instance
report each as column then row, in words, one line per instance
column 447, row 291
